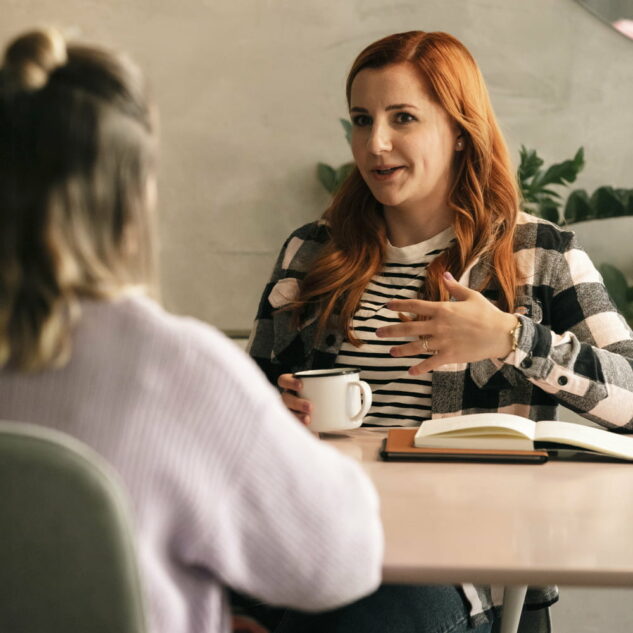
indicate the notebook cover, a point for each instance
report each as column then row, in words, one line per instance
column 398, row 446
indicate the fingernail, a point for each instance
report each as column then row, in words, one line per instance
column 307, row 407
column 393, row 351
column 448, row 276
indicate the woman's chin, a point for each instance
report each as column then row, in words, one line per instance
column 386, row 199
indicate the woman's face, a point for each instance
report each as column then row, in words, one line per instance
column 403, row 141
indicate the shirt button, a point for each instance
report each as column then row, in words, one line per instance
column 526, row 363
column 563, row 380
column 330, row 340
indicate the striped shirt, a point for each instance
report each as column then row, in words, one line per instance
column 398, row 398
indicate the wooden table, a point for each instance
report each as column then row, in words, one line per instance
column 514, row 525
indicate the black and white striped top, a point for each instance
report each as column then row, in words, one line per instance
column 399, row 399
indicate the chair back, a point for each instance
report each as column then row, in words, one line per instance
column 67, row 558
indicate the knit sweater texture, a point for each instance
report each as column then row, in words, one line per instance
column 228, row 490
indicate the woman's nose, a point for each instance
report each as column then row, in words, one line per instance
column 379, row 140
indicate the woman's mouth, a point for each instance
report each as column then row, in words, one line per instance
column 384, row 173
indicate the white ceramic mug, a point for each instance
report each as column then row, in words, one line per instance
column 335, row 395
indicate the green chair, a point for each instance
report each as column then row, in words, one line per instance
column 67, row 560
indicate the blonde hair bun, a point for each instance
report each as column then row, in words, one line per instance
column 30, row 58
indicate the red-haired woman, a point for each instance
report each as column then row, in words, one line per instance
column 424, row 273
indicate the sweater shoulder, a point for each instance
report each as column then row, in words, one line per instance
column 192, row 351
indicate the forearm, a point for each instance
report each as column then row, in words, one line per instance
column 313, row 538
column 595, row 380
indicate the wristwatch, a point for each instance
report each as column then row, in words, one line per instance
column 515, row 333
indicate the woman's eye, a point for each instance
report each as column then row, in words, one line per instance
column 361, row 120
column 404, row 117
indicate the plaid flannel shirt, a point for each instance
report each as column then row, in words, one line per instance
column 574, row 347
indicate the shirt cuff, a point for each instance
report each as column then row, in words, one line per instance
column 531, row 357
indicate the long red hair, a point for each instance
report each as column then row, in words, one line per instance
column 483, row 195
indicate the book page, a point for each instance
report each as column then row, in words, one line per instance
column 478, row 425
column 586, row 437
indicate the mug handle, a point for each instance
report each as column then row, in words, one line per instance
column 366, row 393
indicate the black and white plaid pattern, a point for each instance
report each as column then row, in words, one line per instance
column 574, row 349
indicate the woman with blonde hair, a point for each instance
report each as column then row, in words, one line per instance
column 424, row 274
column 227, row 490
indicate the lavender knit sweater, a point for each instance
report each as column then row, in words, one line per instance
column 227, row 488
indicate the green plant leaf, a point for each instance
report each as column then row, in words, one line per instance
column 625, row 196
column 564, row 173
column 607, row 203
column 342, row 173
column 617, row 286
column 548, row 210
column 628, row 194
column 578, row 207
column 529, row 164
column 327, row 176
column 551, row 193
column 347, row 126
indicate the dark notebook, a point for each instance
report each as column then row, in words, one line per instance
column 398, row 446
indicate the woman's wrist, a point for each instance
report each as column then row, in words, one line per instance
column 509, row 333
column 515, row 333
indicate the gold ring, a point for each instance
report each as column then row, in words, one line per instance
column 425, row 346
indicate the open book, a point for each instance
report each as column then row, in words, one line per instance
column 503, row 431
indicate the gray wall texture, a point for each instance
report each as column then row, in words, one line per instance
column 250, row 92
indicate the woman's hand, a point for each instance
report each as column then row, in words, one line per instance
column 462, row 331
column 298, row 406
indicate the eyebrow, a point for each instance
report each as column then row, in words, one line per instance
column 395, row 106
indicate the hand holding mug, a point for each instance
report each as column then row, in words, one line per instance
column 338, row 399
column 300, row 407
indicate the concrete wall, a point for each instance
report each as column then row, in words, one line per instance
column 250, row 93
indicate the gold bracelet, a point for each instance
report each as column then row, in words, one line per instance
column 515, row 333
